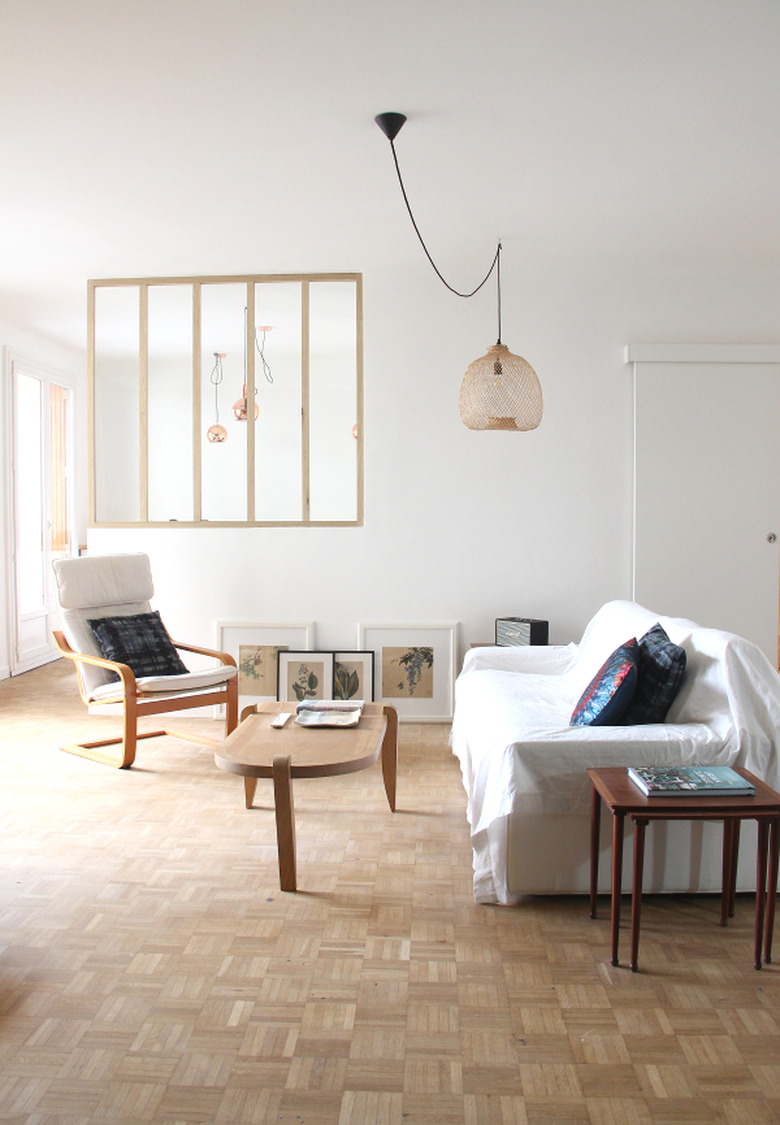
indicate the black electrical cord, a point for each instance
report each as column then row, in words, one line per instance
column 494, row 265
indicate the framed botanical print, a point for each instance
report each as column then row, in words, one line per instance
column 303, row 676
column 353, row 675
column 414, row 668
column 255, row 649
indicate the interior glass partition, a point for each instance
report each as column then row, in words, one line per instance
column 226, row 400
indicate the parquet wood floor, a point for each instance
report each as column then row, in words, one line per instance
column 152, row 971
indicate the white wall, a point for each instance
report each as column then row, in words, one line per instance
column 464, row 526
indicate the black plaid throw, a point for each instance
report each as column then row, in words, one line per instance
column 141, row 641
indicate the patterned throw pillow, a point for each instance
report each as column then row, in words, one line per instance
column 605, row 699
column 141, row 641
column 661, row 669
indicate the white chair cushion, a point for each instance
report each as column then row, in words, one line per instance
column 169, row 685
column 99, row 586
column 103, row 580
column 90, row 587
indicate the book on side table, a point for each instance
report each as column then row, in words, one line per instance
column 687, row 781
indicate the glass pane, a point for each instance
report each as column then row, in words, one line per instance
column 222, row 379
column 326, row 450
column 278, row 473
column 59, row 457
column 117, row 405
column 170, row 403
column 333, row 400
column 29, row 501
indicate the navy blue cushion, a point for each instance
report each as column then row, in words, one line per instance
column 141, row 641
column 661, row 670
column 605, row 699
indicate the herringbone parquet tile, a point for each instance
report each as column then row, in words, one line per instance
column 152, row 971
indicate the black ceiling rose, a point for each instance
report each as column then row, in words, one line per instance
column 390, row 124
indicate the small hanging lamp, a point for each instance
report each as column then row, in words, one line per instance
column 240, row 406
column 217, row 433
column 501, row 390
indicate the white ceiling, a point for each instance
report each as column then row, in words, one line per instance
column 166, row 137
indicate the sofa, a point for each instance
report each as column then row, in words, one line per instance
column 523, row 764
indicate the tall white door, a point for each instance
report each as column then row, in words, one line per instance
column 707, row 489
column 41, row 458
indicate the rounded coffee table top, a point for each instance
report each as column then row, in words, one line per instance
column 313, row 751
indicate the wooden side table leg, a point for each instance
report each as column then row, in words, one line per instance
column 595, row 831
column 285, row 822
column 771, row 895
column 618, row 821
column 761, row 869
column 728, row 857
column 390, row 754
column 734, row 865
column 636, row 890
column 250, row 785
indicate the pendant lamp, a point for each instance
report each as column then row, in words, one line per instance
column 500, row 391
column 217, row 433
column 241, row 406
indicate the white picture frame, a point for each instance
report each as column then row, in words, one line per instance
column 254, row 647
column 414, row 668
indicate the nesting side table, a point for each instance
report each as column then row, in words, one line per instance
column 623, row 798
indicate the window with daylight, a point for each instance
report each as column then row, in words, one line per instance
column 226, row 400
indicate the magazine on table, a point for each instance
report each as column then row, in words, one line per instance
column 330, row 705
column 329, row 712
column 308, row 718
column 687, row 781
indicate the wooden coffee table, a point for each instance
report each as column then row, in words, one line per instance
column 256, row 749
column 623, row 798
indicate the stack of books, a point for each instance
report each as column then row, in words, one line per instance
column 688, row 781
column 329, row 712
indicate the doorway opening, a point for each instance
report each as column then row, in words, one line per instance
column 41, row 504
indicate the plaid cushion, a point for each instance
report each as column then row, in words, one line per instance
column 606, row 697
column 661, row 669
column 139, row 640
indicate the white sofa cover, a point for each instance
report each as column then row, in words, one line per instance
column 523, row 766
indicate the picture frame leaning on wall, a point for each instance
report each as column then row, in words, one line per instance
column 255, row 648
column 414, row 667
column 304, row 676
column 353, row 675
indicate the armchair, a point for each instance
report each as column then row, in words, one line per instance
column 113, row 592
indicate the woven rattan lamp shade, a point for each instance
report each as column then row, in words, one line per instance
column 500, row 391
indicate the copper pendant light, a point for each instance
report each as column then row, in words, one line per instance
column 241, row 406
column 217, row 433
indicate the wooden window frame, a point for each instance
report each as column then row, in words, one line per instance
column 196, row 283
